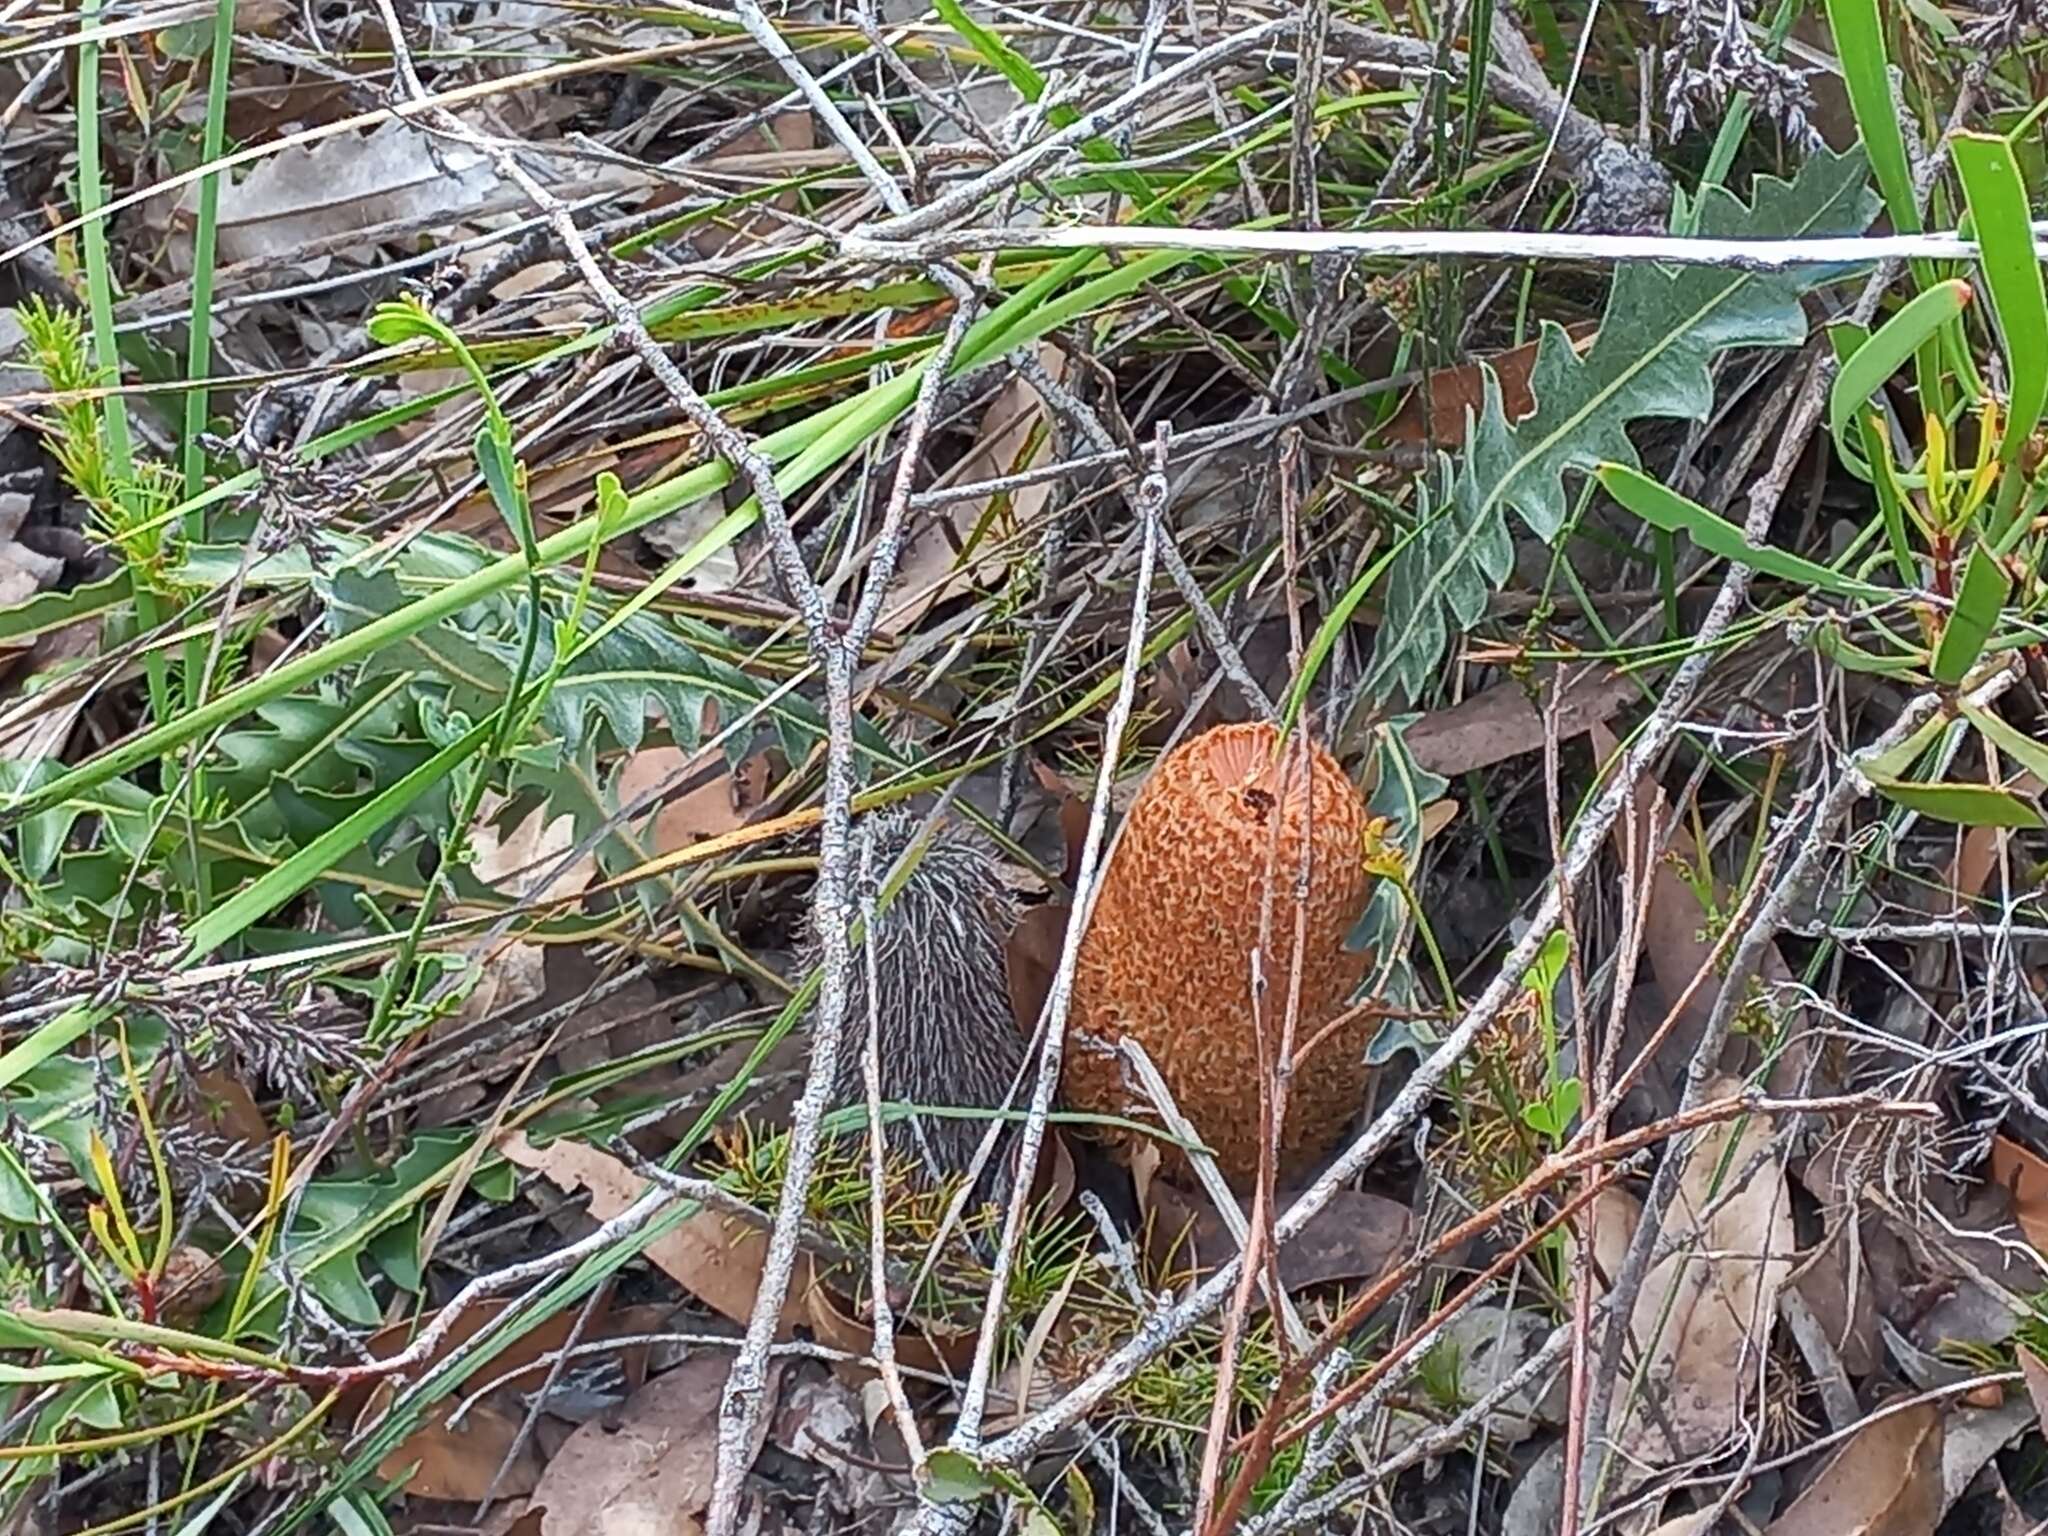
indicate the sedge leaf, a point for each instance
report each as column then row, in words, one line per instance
column 1858, row 26
column 997, row 53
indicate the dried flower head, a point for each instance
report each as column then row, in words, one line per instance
column 2005, row 24
column 1711, row 56
column 296, row 499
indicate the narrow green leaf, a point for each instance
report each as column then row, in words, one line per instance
column 2012, row 271
column 1967, row 805
column 805, row 448
column 277, row 886
column 1979, row 602
column 1662, row 507
column 1895, row 342
column 1858, row 26
column 999, row 55
column 612, row 505
column 1894, row 763
column 1828, row 639
column 17, row 1333
column 37, row 1375
column 501, row 475
column 2009, row 739
column 1334, row 624
column 1871, row 459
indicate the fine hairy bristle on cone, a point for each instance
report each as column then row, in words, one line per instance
column 1167, row 960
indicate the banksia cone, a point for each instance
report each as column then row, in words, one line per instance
column 1167, row 956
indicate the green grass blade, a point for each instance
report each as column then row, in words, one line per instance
column 1001, row 57
column 92, row 197
column 1860, row 48
column 205, row 239
column 278, row 885
column 809, row 447
column 47, row 1039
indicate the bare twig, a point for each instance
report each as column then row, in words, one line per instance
column 871, row 244
column 1052, row 1022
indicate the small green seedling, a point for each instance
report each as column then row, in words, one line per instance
column 1551, row 1116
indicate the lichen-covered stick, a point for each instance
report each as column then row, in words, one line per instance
column 1053, row 1020
column 745, row 1386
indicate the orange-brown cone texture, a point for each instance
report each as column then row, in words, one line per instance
column 1167, row 956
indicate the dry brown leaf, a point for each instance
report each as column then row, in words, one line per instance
column 1615, row 1213
column 2036, row 1374
column 715, row 806
column 1073, row 813
column 223, row 1106
column 714, row 1258
column 46, row 695
column 510, row 1517
column 1012, row 439
column 523, row 864
column 467, row 1463
column 307, row 193
column 1885, row 1482
column 1502, row 721
column 2024, row 1175
column 462, row 1462
column 784, row 136
column 1437, row 412
column 191, row 1282
column 921, row 1349
column 1437, row 815
column 1351, row 1239
column 1699, row 1523
column 1032, row 957
column 1705, row 1312
column 647, row 1470
column 1674, row 938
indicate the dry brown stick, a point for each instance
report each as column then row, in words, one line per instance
column 1052, row 1022
column 837, row 653
column 1274, row 1076
column 1636, row 895
column 1268, row 1436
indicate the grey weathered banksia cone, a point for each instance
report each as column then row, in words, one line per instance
column 1166, row 960
column 941, row 997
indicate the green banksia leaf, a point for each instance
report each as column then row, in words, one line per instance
column 1662, row 329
